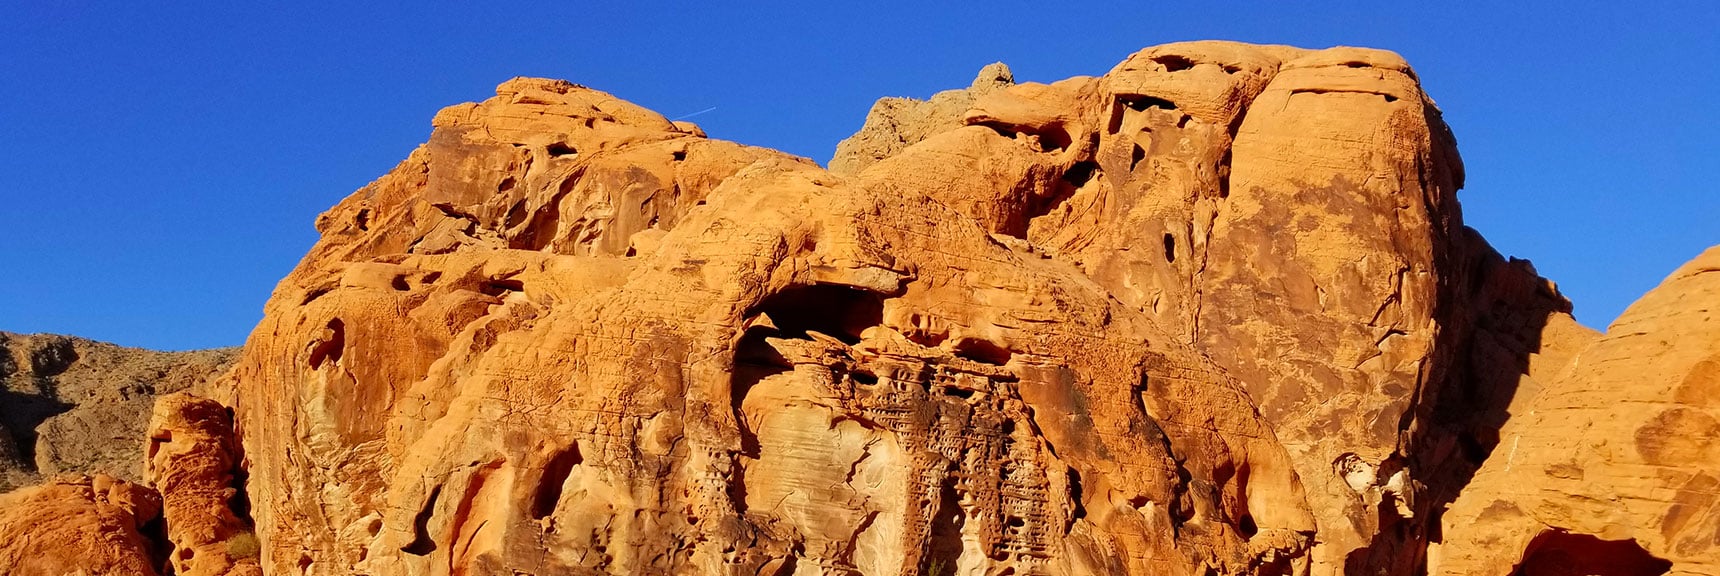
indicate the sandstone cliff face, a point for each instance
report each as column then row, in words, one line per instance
column 1291, row 214
column 71, row 405
column 567, row 336
column 1611, row 468
column 1214, row 312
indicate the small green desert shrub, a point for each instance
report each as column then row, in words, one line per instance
column 243, row 545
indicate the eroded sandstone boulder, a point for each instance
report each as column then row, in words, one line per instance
column 1292, row 214
column 191, row 457
column 569, row 336
column 1610, row 468
column 78, row 525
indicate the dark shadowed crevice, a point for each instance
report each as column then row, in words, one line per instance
column 1224, row 173
column 983, row 351
column 1075, row 498
column 516, row 215
column 559, row 149
column 421, row 543
column 1173, row 62
column 1142, row 103
column 839, row 311
column 1556, row 553
column 501, row 287
column 240, row 502
column 329, row 349
column 1080, row 173
column 555, row 474
column 944, row 543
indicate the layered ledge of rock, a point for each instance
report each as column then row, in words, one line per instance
column 75, row 406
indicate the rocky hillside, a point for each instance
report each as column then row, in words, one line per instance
column 1212, row 312
column 71, row 405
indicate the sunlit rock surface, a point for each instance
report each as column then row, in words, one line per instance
column 1213, row 312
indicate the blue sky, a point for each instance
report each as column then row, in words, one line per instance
column 160, row 168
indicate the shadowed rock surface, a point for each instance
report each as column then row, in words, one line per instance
column 1613, row 466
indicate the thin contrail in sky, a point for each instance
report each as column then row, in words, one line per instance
column 695, row 113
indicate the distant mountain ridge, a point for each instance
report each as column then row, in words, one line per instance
column 75, row 405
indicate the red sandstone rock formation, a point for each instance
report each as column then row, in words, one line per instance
column 99, row 526
column 1291, row 214
column 77, row 525
column 1212, row 312
column 1612, row 467
column 568, row 336
column 191, row 458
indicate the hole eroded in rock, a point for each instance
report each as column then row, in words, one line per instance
column 1174, row 63
column 864, row 378
column 1136, row 157
column 502, row 286
column 330, row 348
column 838, row 311
column 1142, row 103
column 1000, row 129
column 982, row 351
column 1170, row 248
column 421, row 543
column 1055, row 138
column 560, row 149
column 1556, row 553
column 1080, row 173
column 555, row 474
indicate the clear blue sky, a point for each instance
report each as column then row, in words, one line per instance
column 160, row 168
